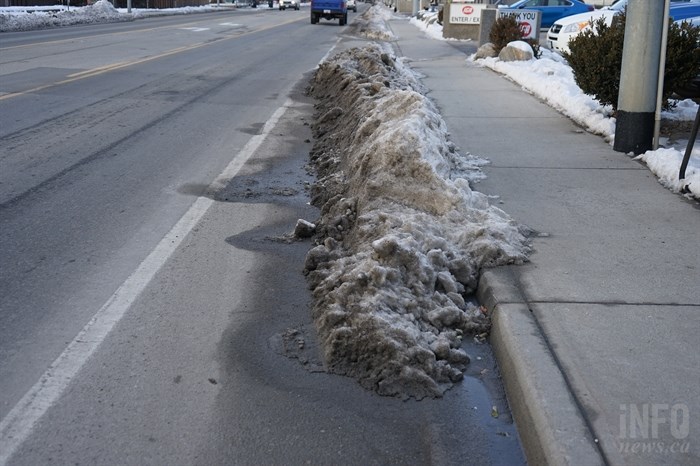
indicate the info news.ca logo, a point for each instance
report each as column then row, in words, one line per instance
column 658, row 428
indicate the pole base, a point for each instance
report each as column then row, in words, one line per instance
column 634, row 132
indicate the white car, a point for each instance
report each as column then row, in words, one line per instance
column 284, row 4
column 565, row 29
column 352, row 5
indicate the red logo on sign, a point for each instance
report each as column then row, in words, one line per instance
column 526, row 28
column 467, row 10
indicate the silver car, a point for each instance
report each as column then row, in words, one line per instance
column 284, row 4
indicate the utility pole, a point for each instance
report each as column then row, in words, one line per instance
column 636, row 104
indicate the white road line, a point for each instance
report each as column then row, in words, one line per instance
column 236, row 164
column 195, row 29
column 331, row 50
column 16, row 427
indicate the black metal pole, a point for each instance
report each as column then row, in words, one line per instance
column 689, row 149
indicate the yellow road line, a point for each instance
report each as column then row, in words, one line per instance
column 116, row 66
column 60, row 41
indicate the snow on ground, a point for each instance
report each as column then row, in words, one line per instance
column 402, row 236
column 550, row 79
column 102, row 11
column 373, row 23
column 16, row 19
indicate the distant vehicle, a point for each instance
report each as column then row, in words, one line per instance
column 284, row 4
column 352, row 5
column 565, row 29
column 552, row 10
column 329, row 9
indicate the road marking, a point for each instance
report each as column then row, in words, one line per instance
column 330, row 51
column 19, row 423
column 231, row 24
column 73, row 39
column 116, row 66
column 194, row 29
column 104, row 69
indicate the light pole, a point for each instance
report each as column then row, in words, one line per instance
column 636, row 105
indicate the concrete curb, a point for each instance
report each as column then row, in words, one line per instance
column 550, row 424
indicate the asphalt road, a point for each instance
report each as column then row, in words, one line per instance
column 146, row 318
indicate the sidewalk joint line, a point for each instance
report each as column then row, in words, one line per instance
column 604, row 303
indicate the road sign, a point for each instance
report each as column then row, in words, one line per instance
column 470, row 13
column 529, row 21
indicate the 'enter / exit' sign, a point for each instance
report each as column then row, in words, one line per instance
column 466, row 13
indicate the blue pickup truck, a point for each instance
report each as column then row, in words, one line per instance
column 329, row 9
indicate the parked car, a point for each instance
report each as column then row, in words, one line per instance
column 565, row 29
column 552, row 10
column 284, row 4
column 352, row 5
column 685, row 11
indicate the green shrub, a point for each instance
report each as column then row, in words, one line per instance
column 505, row 30
column 682, row 57
column 595, row 58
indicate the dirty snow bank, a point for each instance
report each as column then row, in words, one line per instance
column 373, row 23
column 101, row 11
column 402, row 237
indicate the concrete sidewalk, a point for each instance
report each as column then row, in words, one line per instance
column 597, row 336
